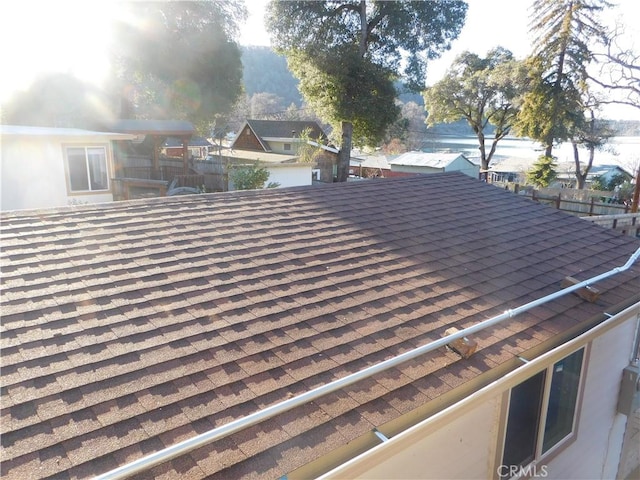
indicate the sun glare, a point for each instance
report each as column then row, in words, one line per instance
column 42, row 37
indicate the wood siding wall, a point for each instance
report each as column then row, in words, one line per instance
column 247, row 141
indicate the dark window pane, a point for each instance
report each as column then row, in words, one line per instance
column 562, row 399
column 523, row 421
column 77, row 169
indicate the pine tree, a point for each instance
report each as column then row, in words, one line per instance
column 565, row 31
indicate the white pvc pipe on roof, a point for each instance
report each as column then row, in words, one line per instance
column 218, row 433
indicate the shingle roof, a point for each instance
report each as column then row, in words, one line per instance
column 128, row 327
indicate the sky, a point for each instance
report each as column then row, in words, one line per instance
column 72, row 35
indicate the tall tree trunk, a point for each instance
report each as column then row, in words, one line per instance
column 557, row 87
column 580, row 178
column 363, row 28
column 344, row 155
column 484, row 163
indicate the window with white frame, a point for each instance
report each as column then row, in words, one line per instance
column 87, row 168
column 542, row 413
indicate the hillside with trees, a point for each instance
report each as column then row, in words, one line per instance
column 264, row 71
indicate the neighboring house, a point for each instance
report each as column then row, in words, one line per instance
column 509, row 169
column 130, row 327
column 284, row 170
column 422, row 162
column 283, row 137
column 52, row 167
column 198, row 147
column 276, row 136
column 514, row 170
column 566, row 173
column 369, row 166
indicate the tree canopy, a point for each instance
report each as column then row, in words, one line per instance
column 565, row 31
column 619, row 70
column 347, row 54
column 179, row 59
column 481, row 91
column 59, row 100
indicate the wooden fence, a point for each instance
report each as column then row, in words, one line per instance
column 626, row 223
column 579, row 207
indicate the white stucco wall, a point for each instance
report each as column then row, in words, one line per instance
column 290, row 175
column 596, row 451
column 464, row 445
column 460, row 449
column 32, row 172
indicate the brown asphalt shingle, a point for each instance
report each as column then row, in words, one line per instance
column 131, row 326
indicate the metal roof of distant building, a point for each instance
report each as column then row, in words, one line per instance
column 131, row 326
column 424, row 159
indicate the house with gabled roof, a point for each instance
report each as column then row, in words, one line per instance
column 276, row 136
column 436, row 162
column 285, row 137
column 605, row 173
column 444, row 328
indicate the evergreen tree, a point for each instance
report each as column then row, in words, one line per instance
column 542, row 172
column 565, row 31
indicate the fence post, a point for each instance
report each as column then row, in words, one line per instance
column 558, row 201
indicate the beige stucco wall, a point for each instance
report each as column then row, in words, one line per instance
column 33, row 172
